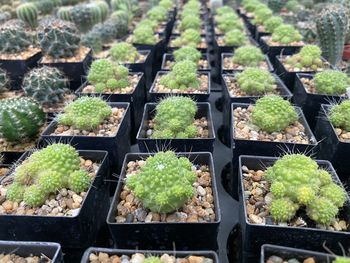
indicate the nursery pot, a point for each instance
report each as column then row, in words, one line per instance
column 171, row 49
column 180, row 145
column 255, row 235
column 250, row 26
column 163, row 235
column 76, row 231
column 170, row 57
column 260, row 34
column 116, row 146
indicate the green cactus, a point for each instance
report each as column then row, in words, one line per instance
column 283, row 210
column 58, row 38
column 339, row 115
column 332, row 25
column 158, row 14
column 224, row 9
column 106, row 31
column 46, row 85
column 144, row 35
column 120, row 21
column 341, row 260
column 28, row 13
column 174, row 118
column 227, row 22
column 4, row 81
column 104, row 8
column 45, row 7
column 272, row 113
column 188, row 22
column 65, row 13
column 293, row 5
column 189, row 37
column 308, row 57
column 15, row 192
column 20, row 119
column 148, row 23
column 85, row 113
column 153, row 259
column 131, row 7
column 272, row 23
column 164, row 183
column 235, row 37
column 85, row 16
column 276, row 5
column 249, row 56
column 255, row 81
column 261, row 15
column 167, row 4
column 123, row 52
column 286, row 34
column 78, row 181
column 92, row 39
column 331, row 82
column 187, row 53
column 50, row 181
column 34, row 196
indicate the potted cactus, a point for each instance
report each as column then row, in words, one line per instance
column 227, row 22
column 187, row 22
column 189, row 37
column 176, row 122
column 55, row 187
column 188, row 177
column 91, row 123
column 313, row 204
column 18, row 50
column 268, row 26
column 231, row 40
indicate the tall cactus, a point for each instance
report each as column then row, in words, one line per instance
column 28, row 13
column 332, row 26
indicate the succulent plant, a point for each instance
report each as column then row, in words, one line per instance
column 248, row 56
column 131, row 7
column 255, row 81
column 120, row 23
column 45, row 7
column 308, row 57
column 164, row 183
column 174, row 118
column 144, row 35
column 46, row 85
column 261, row 15
column 341, row 260
column 292, row 5
column 64, row 13
column 58, row 38
column 331, row 82
column 86, row 15
column 187, row 53
column 154, row 259
column 227, row 22
column 272, row 113
column 4, row 81
column 188, row 22
column 189, row 37
column 224, row 9
column 286, row 34
column 157, row 13
column 276, row 5
column 123, row 52
column 339, row 115
column 28, row 13
column 92, row 40
column 167, row 4
column 148, row 23
column 272, row 23
column 85, row 113
column 235, row 37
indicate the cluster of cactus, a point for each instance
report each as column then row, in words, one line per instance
column 46, row 85
column 339, row 115
column 187, row 53
column 123, row 52
column 187, row 22
column 227, row 22
column 120, row 20
column 272, row 23
column 28, row 13
column 105, row 75
column 58, row 38
column 174, row 118
column 14, row 37
column 332, row 26
column 261, row 15
column 46, row 172
column 92, row 40
column 272, row 113
column 286, row 34
column 158, row 14
column 4, row 81
column 85, row 113
column 164, row 182
column 131, row 7
column 224, row 9
column 255, row 81
column 308, row 57
column 235, row 37
column 182, row 76
column 20, row 119
column 251, row 5
column 248, row 56
column 167, row 4
column 144, row 35
column 189, row 37
column 331, row 82
column 297, row 181
column 276, row 5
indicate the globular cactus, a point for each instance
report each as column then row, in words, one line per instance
column 261, row 15
column 78, row 181
column 123, row 52
column 104, row 8
column 86, row 15
column 107, row 31
column 167, row 4
column 85, row 113
column 235, row 38
column 64, row 13
column 4, row 81
column 187, row 22
column 143, row 35
column 248, row 56
column 58, row 38
column 28, row 13
column 272, row 113
column 131, row 7
column 286, row 34
column 339, row 115
column 120, row 20
column 283, row 210
column 331, row 82
column 174, row 118
column 164, row 183
column 341, row 260
column 20, row 119
column 308, row 57
column 276, row 5
column 227, row 23
column 187, row 53
column 189, row 37
column 332, row 26
column 92, row 40
column 255, row 81
column 272, row 23
column 158, row 14
column 224, row 9
column 44, row 6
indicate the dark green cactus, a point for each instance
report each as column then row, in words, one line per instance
column 332, row 25
column 276, row 5
column 64, row 13
column 45, row 6
column 85, row 16
column 92, row 40
column 28, row 13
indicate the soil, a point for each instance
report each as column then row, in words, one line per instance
column 268, row 40
column 202, row 64
column 13, row 258
column 229, row 65
column 80, row 55
column 58, row 107
column 203, row 43
column 24, row 55
column 220, row 41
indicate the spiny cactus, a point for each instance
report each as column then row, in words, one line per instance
column 123, row 52
column 339, row 115
column 286, row 34
column 174, row 118
column 189, row 37
column 143, row 35
column 276, row 5
column 164, row 183
column 4, row 81
column 332, row 26
column 64, row 13
column 227, row 23
column 148, row 23
column 187, row 22
column 341, row 260
column 167, row 4
column 85, row 113
column 92, row 39
column 20, row 119
column 120, row 21
column 248, row 56
column 46, row 85
column 187, row 53
column 224, row 9
column 308, row 57
column 255, row 81
column 157, row 13
column 235, row 37
column 331, row 82
column 28, row 13
column 44, row 6
column 272, row 113
column 58, row 38
column 86, row 15
column 272, row 23
column 261, row 15
column 131, row 7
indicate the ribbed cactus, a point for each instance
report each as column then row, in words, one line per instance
column 28, row 13
column 64, row 13
column 86, row 15
column 332, row 26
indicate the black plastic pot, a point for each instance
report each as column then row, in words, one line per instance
column 230, row 55
column 141, row 67
column 310, row 102
column 204, row 29
column 171, row 49
column 259, row 34
column 163, row 235
column 180, row 145
column 288, row 253
column 76, row 231
column 170, row 57
column 17, row 68
column 208, row 254
column 116, row 146
column 250, row 26
column 25, row 249
column 254, row 235
column 200, row 97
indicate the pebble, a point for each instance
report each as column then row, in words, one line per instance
column 275, row 259
column 309, row 260
column 201, row 191
column 129, row 218
column 140, row 214
column 256, row 219
column 195, row 259
column 103, row 257
column 165, row 258
column 137, row 258
column 149, row 217
column 203, row 88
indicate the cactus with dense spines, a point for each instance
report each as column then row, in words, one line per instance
column 157, row 13
column 227, row 23
column 46, row 85
column 235, row 37
column 255, row 81
column 119, row 22
column 15, row 192
column 148, row 23
column 272, row 23
column 187, row 53
column 283, row 210
column 167, row 4
column 286, row 34
column 187, row 22
column 322, row 210
column 34, row 196
column 272, row 113
column 174, row 118
column 164, row 183
column 85, row 16
column 341, row 260
column 85, row 113
column 339, row 115
column 248, row 56
column 64, row 13
column 50, row 181
column 144, row 35
column 20, row 119
column 58, row 38
column 154, row 259
column 308, row 57
column 78, row 181
column 332, row 26
column 4, row 81
column 44, row 6
column 331, row 82
column 92, row 40
column 335, row 193
column 123, row 52
column 28, row 13
column 189, row 37
column 261, row 16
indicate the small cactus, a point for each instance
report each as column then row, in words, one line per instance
column 286, row 34
column 260, row 16
column 86, row 15
column 235, row 37
column 123, row 52
column 189, row 37
column 309, row 57
column 28, row 13
column 143, row 35
column 228, row 22
column 255, row 81
column 158, row 14
column 187, row 53
column 339, row 115
column 272, row 23
column 188, row 22
column 249, row 56
column 331, row 82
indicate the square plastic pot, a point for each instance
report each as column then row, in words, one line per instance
column 259, row 34
column 76, row 231
column 250, row 26
column 200, row 97
column 145, row 67
column 163, row 235
column 170, row 57
column 180, row 145
column 254, row 235
column 310, row 102
column 116, row 146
